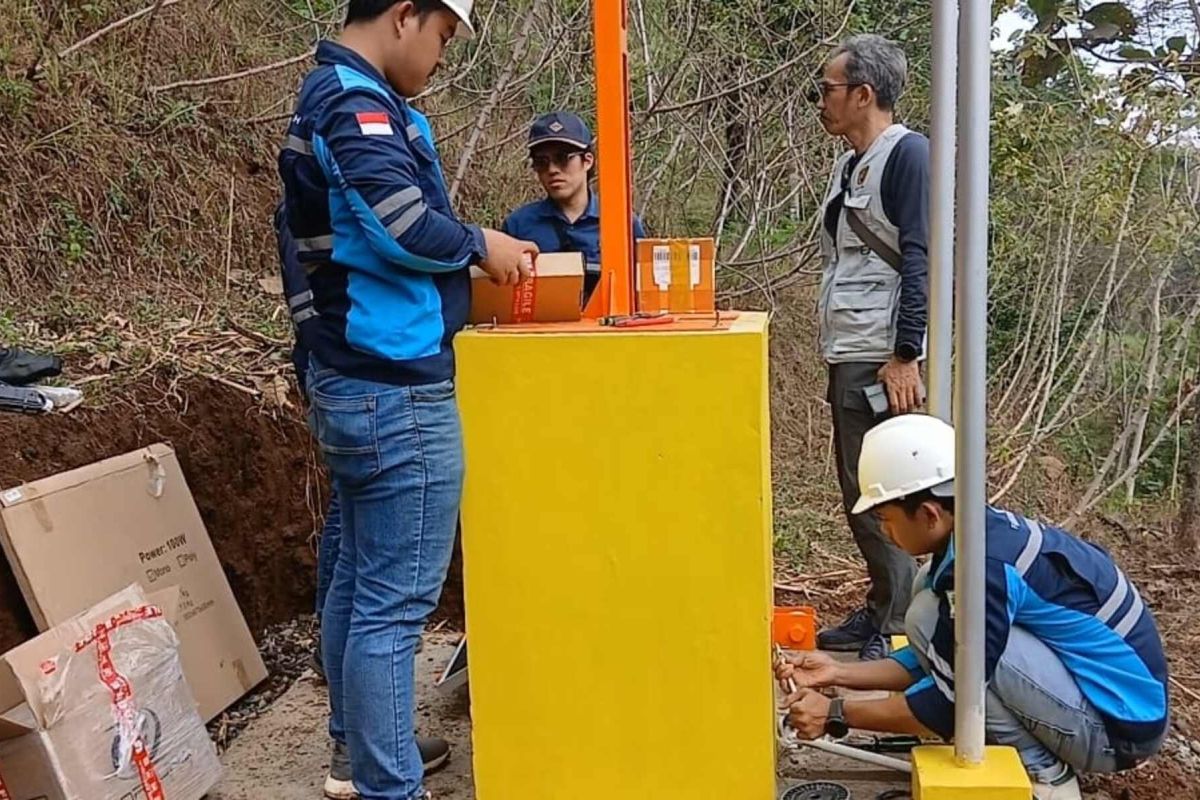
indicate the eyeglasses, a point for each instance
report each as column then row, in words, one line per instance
column 822, row 89
column 560, row 160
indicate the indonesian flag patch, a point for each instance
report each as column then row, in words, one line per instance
column 374, row 123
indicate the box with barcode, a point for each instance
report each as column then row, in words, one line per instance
column 676, row 275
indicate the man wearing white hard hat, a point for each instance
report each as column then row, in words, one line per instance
column 1077, row 679
column 387, row 261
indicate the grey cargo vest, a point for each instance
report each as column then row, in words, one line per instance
column 860, row 292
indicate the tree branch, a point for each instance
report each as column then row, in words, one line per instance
column 233, row 76
column 121, row 23
column 764, row 77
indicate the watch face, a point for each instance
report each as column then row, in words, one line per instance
column 837, row 728
column 836, row 725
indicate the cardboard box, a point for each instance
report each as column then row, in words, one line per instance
column 75, row 538
column 554, row 294
column 98, row 709
column 676, row 275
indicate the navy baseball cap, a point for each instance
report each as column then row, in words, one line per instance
column 562, row 127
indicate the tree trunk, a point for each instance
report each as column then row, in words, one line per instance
column 1187, row 529
column 733, row 113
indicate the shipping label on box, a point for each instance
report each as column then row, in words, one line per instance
column 77, row 537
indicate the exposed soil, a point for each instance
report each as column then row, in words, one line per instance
column 249, row 471
column 251, row 468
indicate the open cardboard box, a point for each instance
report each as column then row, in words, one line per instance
column 75, row 538
column 97, row 708
column 553, row 294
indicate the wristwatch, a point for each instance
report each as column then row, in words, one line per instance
column 906, row 351
column 835, row 723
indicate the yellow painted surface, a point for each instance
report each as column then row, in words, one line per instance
column 936, row 776
column 617, row 542
column 899, row 642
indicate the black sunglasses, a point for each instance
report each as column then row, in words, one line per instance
column 560, row 159
column 822, row 89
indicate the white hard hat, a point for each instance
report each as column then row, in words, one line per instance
column 462, row 10
column 905, row 455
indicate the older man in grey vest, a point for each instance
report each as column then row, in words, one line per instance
column 873, row 299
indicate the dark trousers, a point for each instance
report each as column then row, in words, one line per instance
column 891, row 569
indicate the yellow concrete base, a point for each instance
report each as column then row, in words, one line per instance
column 617, row 560
column 936, row 776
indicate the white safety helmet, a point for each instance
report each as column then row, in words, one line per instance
column 462, row 10
column 905, row 455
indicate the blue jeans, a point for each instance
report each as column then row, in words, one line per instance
column 395, row 454
column 328, row 548
column 1032, row 704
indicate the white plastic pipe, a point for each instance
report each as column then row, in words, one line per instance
column 788, row 739
column 865, row 756
column 944, row 80
column 970, row 402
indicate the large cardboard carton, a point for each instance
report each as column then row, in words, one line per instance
column 98, row 709
column 553, row 294
column 76, row 538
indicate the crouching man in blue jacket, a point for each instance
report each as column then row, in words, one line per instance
column 1074, row 664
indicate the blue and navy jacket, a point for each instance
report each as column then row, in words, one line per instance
column 543, row 223
column 366, row 202
column 298, row 295
column 1070, row 595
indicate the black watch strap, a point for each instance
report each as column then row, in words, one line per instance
column 835, row 724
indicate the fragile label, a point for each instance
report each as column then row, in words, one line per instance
column 126, row 713
column 525, row 295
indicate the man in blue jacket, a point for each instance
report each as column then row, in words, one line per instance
column 567, row 219
column 299, row 298
column 1075, row 670
column 387, row 262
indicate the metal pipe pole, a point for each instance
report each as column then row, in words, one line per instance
column 970, row 402
column 943, row 85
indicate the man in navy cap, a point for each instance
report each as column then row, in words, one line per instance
column 568, row 219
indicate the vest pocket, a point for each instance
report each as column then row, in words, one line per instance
column 861, row 318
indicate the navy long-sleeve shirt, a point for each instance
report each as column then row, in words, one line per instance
column 905, row 193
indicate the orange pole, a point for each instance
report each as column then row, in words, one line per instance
column 615, row 155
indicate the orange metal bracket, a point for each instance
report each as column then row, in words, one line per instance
column 615, row 295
